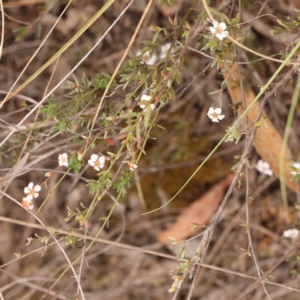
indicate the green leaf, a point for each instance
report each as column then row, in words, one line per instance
column 138, row 132
column 60, row 126
column 127, row 129
column 227, row 21
column 75, row 164
column 295, row 177
column 148, row 112
column 21, row 33
column 128, row 115
column 155, row 36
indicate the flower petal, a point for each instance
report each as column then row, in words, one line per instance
column 221, row 117
column 219, row 36
column 94, row 157
column 28, row 198
column 37, row 188
column 222, row 25
column 102, row 159
column 296, row 165
column 269, row 172
column 211, row 110
column 218, row 110
column 225, row 34
column 146, row 97
column 216, row 24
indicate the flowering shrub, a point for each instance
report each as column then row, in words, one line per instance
column 153, row 112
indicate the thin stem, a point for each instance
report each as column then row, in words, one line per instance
column 285, row 140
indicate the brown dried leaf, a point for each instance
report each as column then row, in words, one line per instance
column 267, row 141
column 198, row 212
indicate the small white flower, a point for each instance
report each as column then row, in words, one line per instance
column 291, row 233
column 146, row 97
column 147, row 59
column 132, row 166
column 97, row 162
column 215, row 114
column 296, row 168
column 27, row 202
column 63, row 159
column 164, row 50
column 32, row 191
column 27, row 205
column 264, row 167
column 218, row 30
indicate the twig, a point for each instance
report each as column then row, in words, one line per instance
column 64, row 78
column 122, row 59
column 54, row 238
column 241, row 45
column 210, row 229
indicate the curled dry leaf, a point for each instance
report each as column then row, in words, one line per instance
column 199, row 212
column 267, row 140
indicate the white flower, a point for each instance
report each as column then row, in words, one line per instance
column 215, row 114
column 97, row 162
column 27, row 202
column 132, row 166
column 291, row 233
column 32, row 191
column 147, row 59
column 164, row 50
column 219, row 30
column 146, row 97
column 296, row 168
column 63, row 159
column 264, row 167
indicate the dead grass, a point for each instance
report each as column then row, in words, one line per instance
column 115, row 272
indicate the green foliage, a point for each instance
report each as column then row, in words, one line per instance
column 96, row 186
column 296, row 177
column 119, row 123
column 287, row 26
column 123, row 182
column 233, row 135
column 21, row 32
column 75, row 163
column 70, row 240
column 295, row 264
